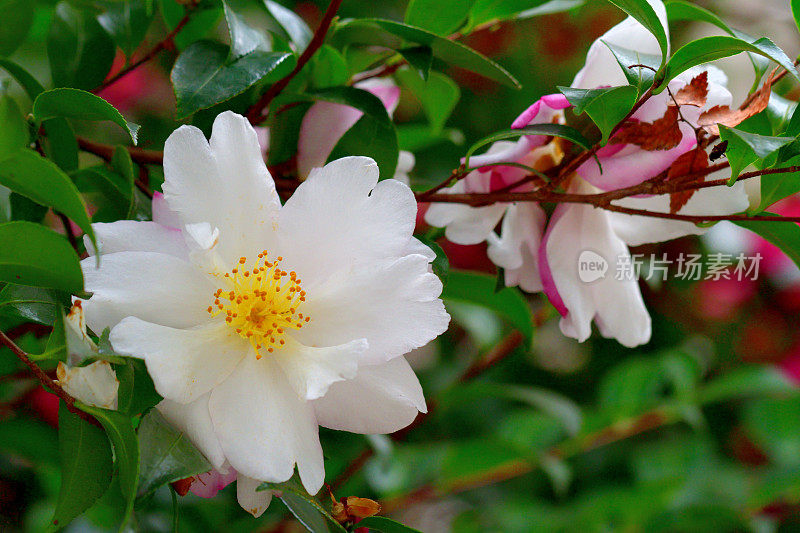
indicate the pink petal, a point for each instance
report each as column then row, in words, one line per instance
column 548, row 283
column 207, row 485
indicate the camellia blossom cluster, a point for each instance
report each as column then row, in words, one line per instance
column 260, row 322
column 541, row 255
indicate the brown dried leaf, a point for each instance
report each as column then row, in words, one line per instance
column 353, row 508
column 695, row 93
column 663, row 134
column 726, row 116
column 681, row 172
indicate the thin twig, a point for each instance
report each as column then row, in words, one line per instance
column 106, row 151
column 165, row 43
column 255, row 113
column 46, row 380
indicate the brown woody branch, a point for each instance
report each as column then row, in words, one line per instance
column 256, row 111
column 46, row 380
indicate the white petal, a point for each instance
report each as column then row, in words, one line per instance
column 133, row 236
column 224, row 183
column 264, row 428
column 393, row 304
column 312, row 370
column 162, row 214
column 194, row 420
column 95, row 384
column 155, row 287
column 636, row 230
column 615, row 304
column 341, row 214
column 464, row 224
column 253, row 501
column 184, row 363
column 381, row 399
column 517, row 249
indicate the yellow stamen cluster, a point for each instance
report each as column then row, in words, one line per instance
column 260, row 302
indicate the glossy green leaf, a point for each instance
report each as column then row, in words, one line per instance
column 385, row 525
column 308, row 511
column 79, row 49
column 203, row 20
column 14, row 132
column 775, row 187
column 32, row 303
column 420, row 58
column 127, row 23
column 86, row 466
column 441, row 17
column 78, row 104
column 203, row 76
column 17, row 19
column 119, row 429
column 795, row 4
column 371, row 30
column 31, row 254
column 328, row 68
column 643, row 12
column 487, row 11
column 784, row 235
column 440, row 265
column 245, row 36
column 553, row 130
column 639, row 69
column 31, row 86
column 478, row 289
column 606, row 107
column 438, row 96
column 60, row 144
column 167, row 455
column 747, row 148
column 709, row 49
column 297, row 31
column 38, row 179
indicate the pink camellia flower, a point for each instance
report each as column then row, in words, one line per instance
column 548, row 257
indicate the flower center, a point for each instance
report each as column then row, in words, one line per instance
column 260, row 302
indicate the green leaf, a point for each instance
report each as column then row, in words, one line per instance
column 440, row 265
column 304, row 507
column 34, row 177
column 630, row 388
column 748, row 381
column 32, row 303
column 796, row 12
column 373, row 135
column 557, row 406
column 245, row 37
column 78, row 104
column 137, row 393
column 204, row 18
column 60, row 144
column 17, row 19
column 31, row 254
column 643, row 12
column 487, row 11
column 708, row 49
column 784, row 235
column 202, row 76
column 297, row 31
column 606, row 107
column 371, row 30
column 420, row 58
column 127, row 23
column 385, row 525
column 438, row 16
column 639, row 76
column 167, row 455
column 478, row 289
column 553, row 130
column 438, row 96
column 86, row 466
column 29, row 439
column 14, row 132
column 774, row 425
column 79, row 49
column 31, row 86
column 119, row 429
column 778, row 186
column 328, row 68
column 747, row 148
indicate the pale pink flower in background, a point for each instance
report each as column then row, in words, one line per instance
column 251, row 358
column 545, row 256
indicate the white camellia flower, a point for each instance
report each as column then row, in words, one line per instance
column 260, row 322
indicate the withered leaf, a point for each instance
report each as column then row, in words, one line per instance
column 662, row 134
column 681, row 172
column 695, row 93
column 726, row 116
